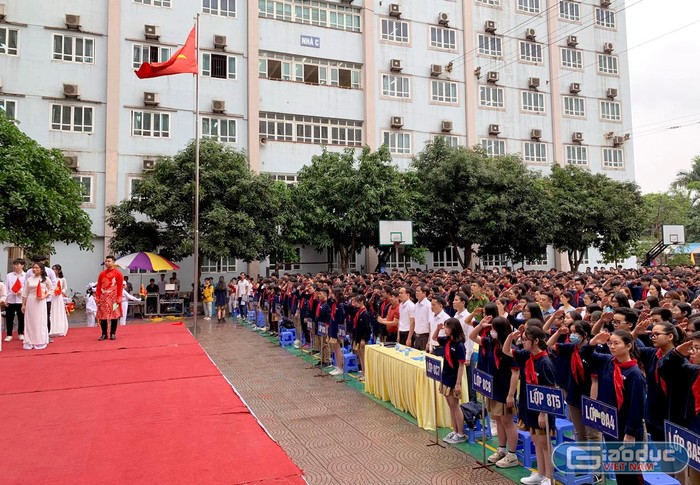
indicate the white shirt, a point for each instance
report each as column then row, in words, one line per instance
column 14, row 298
column 242, row 288
column 126, row 296
column 434, row 321
column 406, row 310
column 467, row 328
column 51, row 274
column 91, row 304
column 421, row 314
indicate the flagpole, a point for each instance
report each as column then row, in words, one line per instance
column 195, row 293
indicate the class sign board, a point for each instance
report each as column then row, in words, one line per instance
column 342, row 332
column 321, row 329
column 686, row 439
column 483, row 383
column 433, row 368
column 599, row 416
column 545, row 399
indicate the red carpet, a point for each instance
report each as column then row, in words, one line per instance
column 147, row 408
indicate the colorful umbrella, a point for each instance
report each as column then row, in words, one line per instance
column 147, row 261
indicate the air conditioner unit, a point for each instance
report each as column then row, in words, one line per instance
column 608, row 47
column 397, row 121
column 396, row 65
column 72, row 162
column 435, row 70
column 71, row 90
column 444, row 18
column 73, row 21
column 575, row 88
column 219, row 41
column 605, row 3
column 533, row 82
column 611, row 93
column 577, row 136
column 148, row 165
column 572, row 41
column 151, row 99
column 618, row 140
column 0, row 84
column 530, row 34
column 494, row 129
column 347, row 1
column 492, row 76
column 490, row 26
column 218, row 106
column 446, row 126
column 395, row 10
column 151, row 32
column 3, row 13
column 535, row 134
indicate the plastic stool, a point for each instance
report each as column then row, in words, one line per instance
column 526, row 449
column 659, row 479
column 259, row 320
column 571, row 478
column 564, row 426
column 250, row 316
column 473, row 434
column 350, row 363
column 286, row 339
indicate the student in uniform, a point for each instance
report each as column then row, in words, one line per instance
column 362, row 328
column 460, row 306
column 337, row 318
column 454, row 357
column 538, row 369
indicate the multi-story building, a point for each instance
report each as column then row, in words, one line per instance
column 282, row 78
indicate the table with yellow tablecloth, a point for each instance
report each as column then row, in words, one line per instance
column 392, row 376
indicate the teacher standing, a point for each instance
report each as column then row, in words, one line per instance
column 35, row 292
column 110, row 284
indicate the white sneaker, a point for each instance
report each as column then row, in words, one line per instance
column 457, row 438
column 297, row 344
column 534, row 479
column 546, row 481
column 336, row 371
column 8, row 338
column 449, row 436
column 508, row 461
column 496, row 456
column 21, row 337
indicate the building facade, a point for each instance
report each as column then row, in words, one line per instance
column 280, row 79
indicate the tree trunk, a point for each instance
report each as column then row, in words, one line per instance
column 344, row 258
column 455, row 246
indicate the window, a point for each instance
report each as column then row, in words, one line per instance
column 396, row 86
column 71, row 118
column 574, row 106
column 310, row 70
column 494, row 147
column 605, row 17
column 443, row 38
column 607, row 64
column 311, row 12
column 576, row 155
column 490, row 45
column 133, row 183
column 275, row 265
column 219, row 129
column 223, row 8
column 286, row 178
column 398, row 142
column 495, row 3
column 218, row 66
column 529, row 6
column 308, row 129
column 491, row 260
column 541, row 260
column 450, row 140
column 9, row 108
column 613, row 158
column 275, row 9
column 149, row 53
column 446, row 259
column 530, row 51
column 73, row 49
column 155, row 3
column 85, row 183
column 610, row 110
column 276, row 127
column 572, row 58
column 395, row 30
column 8, row 41
column 444, row 91
column 570, row 11
column 533, row 101
column 222, row 265
column 491, row 97
column 274, row 69
column 534, row 152
column 150, row 124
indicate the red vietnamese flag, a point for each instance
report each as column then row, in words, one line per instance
column 142, row 291
column 58, row 289
column 182, row 62
column 16, row 286
column 39, row 293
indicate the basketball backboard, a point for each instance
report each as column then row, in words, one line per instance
column 395, row 232
column 673, row 234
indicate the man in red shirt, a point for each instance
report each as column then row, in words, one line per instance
column 392, row 318
column 110, row 283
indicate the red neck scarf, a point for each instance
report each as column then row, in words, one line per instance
column 618, row 381
column 357, row 316
column 448, row 353
column 530, row 374
column 333, row 309
column 318, row 310
column 577, row 367
column 659, row 380
column 696, row 394
column 496, row 353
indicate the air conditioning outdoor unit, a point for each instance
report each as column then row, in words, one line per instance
column 611, row 93
column 71, row 90
column 605, row 3
column 577, row 136
column 396, row 65
column 72, row 162
column 151, row 99
column 490, row 26
column 618, row 140
column 492, row 76
column 530, row 34
column 151, row 32
column 494, row 129
column 395, row 10
column 219, row 41
column 218, row 106
column 572, row 41
column 443, row 18
column 397, row 121
column 533, row 82
column 73, row 21
column 575, row 88
column 446, row 126
column 148, row 165
column 435, row 70
column 3, row 13
column 608, row 47
column 535, row 134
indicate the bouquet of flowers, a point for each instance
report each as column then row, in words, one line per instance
column 70, row 307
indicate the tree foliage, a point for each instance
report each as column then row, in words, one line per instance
column 39, row 200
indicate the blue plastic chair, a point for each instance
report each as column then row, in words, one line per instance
column 659, row 479
column 473, row 434
column 571, row 478
column 526, row 449
column 564, row 426
column 287, row 338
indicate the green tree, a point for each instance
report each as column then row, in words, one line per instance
column 593, row 210
column 341, row 197
column 240, row 214
column 39, row 200
column 689, row 179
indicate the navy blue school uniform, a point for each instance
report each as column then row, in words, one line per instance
column 337, row 317
column 683, row 380
column 501, row 367
column 455, row 354
column 362, row 326
column 323, row 314
column 656, row 409
column 562, row 370
column 630, row 412
column 580, row 378
column 535, row 369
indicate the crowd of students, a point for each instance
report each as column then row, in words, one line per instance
column 624, row 337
